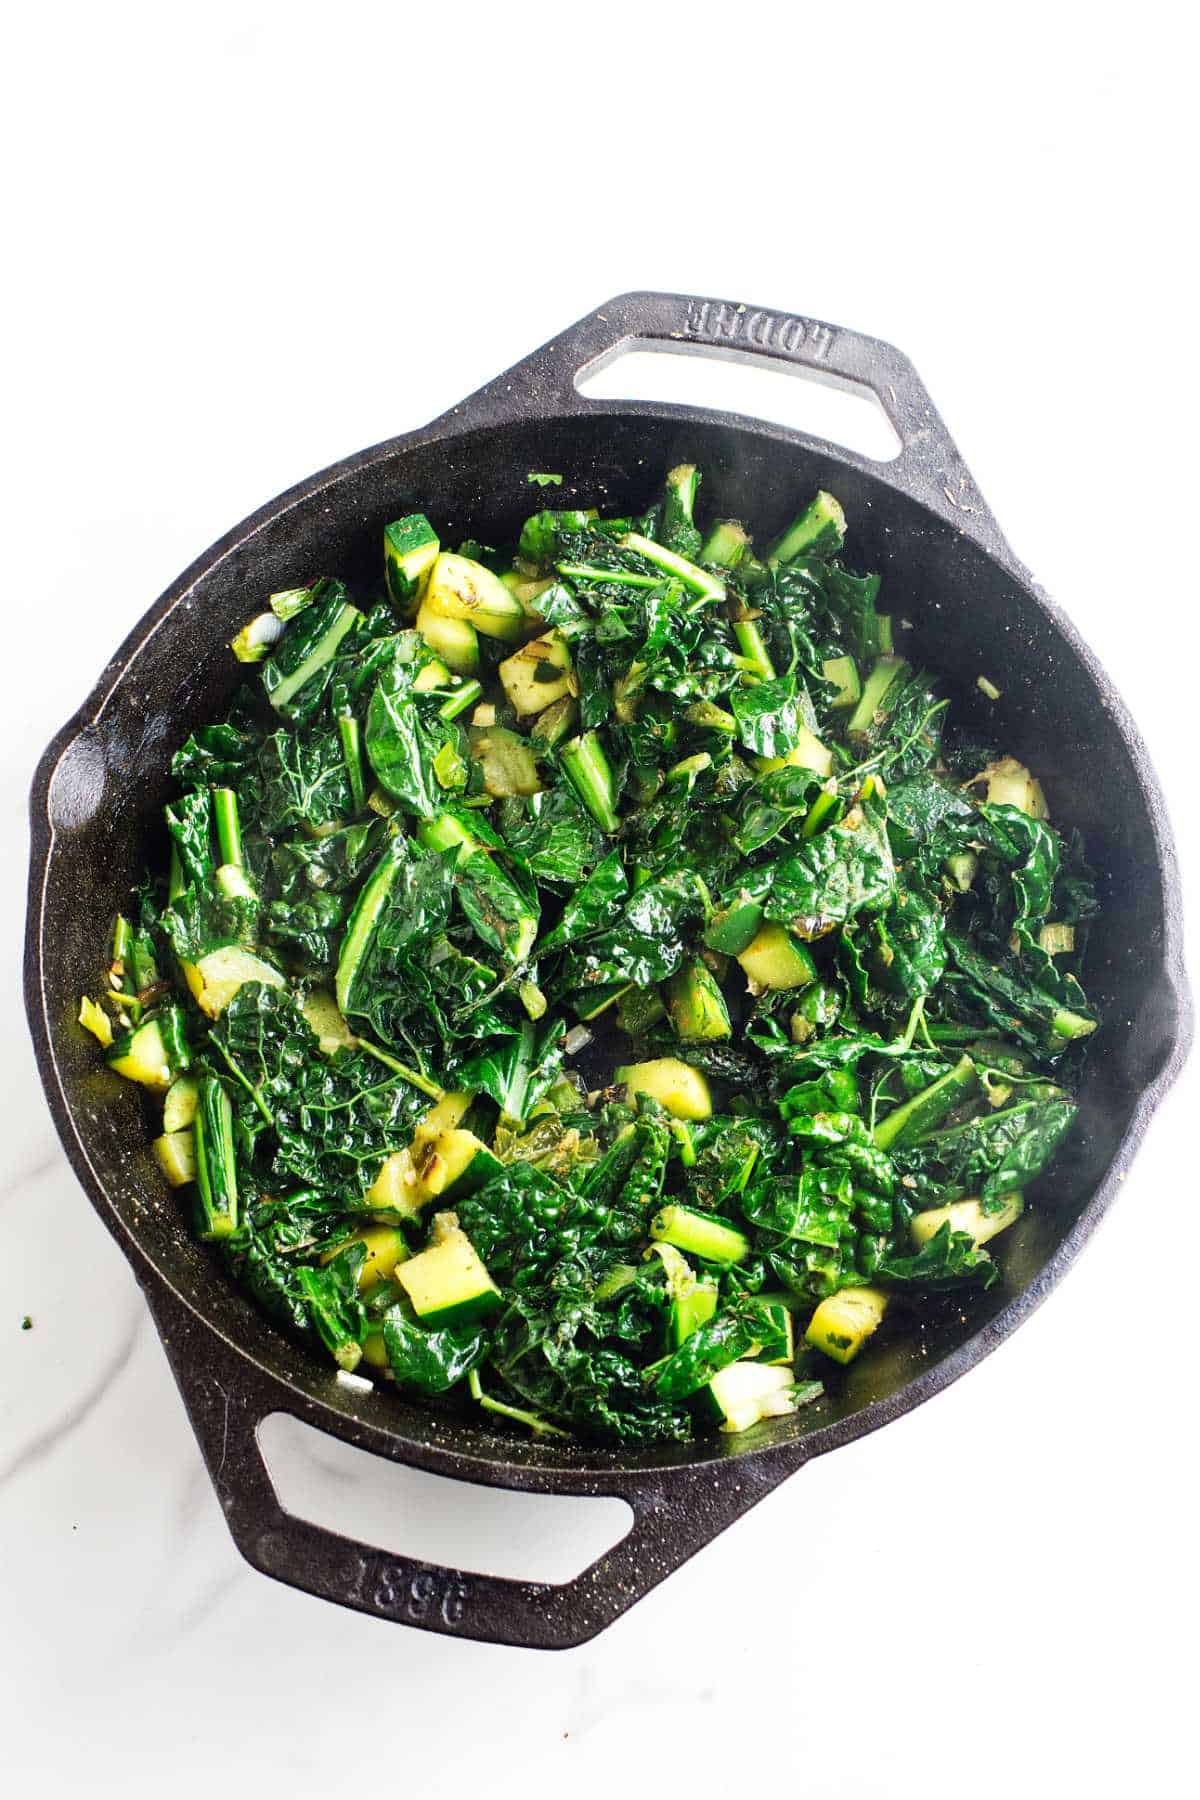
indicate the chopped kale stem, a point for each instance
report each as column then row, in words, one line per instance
column 593, row 980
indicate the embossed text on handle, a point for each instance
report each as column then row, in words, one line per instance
column 419, row 1597
column 720, row 321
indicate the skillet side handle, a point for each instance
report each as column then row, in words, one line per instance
column 674, row 1515
column 928, row 468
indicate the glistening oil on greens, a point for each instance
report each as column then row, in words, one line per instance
column 591, row 983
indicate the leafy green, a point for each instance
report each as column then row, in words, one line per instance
column 835, row 876
column 397, row 967
column 768, row 716
column 428, row 1359
column 406, row 738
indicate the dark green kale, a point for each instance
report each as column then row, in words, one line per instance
column 565, row 1087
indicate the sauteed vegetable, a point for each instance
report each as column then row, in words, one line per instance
column 590, row 981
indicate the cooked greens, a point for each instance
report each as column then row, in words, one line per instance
column 585, row 986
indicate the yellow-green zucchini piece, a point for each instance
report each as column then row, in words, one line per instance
column 453, row 640
column 775, row 960
column 410, row 547
column 447, row 1283
column 679, row 1089
column 967, row 1216
column 459, row 588
column 537, row 675
column 216, row 978
column 842, row 1324
column 175, row 1154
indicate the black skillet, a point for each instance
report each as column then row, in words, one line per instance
column 974, row 610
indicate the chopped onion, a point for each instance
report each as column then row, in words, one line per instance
column 577, row 1039
column 255, row 639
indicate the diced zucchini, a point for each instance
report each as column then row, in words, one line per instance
column 447, row 1283
column 444, row 1115
column 704, row 1235
column 842, row 1324
column 410, row 1178
column 410, row 547
column 555, row 725
column 385, row 1246
column 459, row 588
column 216, row 978
column 732, row 929
column 679, row 1089
column 638, row 1009
column 807, row 753
column 435, row 674
column 152, row 1054
column 179, row 1107
column 452, row 1162
column 175, row 1154
column 507, row 762
column 776, row 960
column 967, row 1216
column 696, row 1004
column 537, row 675
column 745, row 1393
column 842, row 671
column 327, row 1020
column 1009, row 783
column 529, row 590
column 887, row 671
column 453, row 640
column 396, row 1192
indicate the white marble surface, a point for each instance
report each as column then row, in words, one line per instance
column 220, row 287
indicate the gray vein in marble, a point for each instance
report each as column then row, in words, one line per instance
column 49, row 1440
column 211, row 1599
column 35, row 1171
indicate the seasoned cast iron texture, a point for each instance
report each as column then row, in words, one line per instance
column 95, row 810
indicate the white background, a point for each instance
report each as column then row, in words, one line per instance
column 244, row 241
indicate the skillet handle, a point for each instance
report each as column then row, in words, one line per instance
column 675, row 1513
column 928, row 467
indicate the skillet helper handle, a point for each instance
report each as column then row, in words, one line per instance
column 675, row 1513
column 928, row 467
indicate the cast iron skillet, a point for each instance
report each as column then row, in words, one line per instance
column 101, row 783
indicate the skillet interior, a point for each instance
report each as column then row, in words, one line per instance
column 969, row 615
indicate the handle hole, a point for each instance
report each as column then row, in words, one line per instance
column 807, row 400
column 486, row 1531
